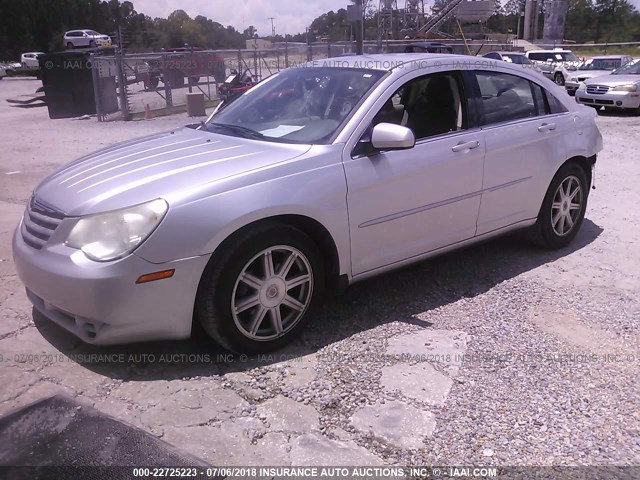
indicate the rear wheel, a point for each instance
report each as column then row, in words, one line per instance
column 563, row 208
column 92, row 44
column 256, row 296
column 559, row 79
column 69, row 45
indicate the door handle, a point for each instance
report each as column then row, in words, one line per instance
column 547, row 127
column 462, row 146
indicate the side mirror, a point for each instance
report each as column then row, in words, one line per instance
column 388, row 136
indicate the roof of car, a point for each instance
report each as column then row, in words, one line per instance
column 382, row 61
column 560, row 50
column 507, row 53
column 608, row 57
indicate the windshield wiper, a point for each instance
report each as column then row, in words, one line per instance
column 242, row 131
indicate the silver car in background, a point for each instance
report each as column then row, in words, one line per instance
column 595, row 67
column 618, row 91
column 316, row 178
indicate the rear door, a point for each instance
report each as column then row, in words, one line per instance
column 524, row 147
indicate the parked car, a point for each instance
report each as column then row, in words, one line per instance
column 618, row 91
column 30, row 60
column 555, row 64
column 514, row 57
column 428, row 47
column 595, row 67
column 86, row 38
column 3, row 71
column 314, row 179
column 184, row 62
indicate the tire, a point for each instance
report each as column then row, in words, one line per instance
column 69, row 45
column 223, row 289
column 92, row 44
column 550, row 234
column 559, row 79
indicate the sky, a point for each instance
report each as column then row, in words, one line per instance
column 290, row 16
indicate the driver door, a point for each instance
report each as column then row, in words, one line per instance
column 406, row 203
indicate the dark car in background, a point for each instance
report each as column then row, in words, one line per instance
column 428, row 47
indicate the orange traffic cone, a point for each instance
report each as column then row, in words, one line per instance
column 147, row 113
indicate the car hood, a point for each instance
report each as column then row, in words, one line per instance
column 157, row 166
column 612, row 80
column 590, row 73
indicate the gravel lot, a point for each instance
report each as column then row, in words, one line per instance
column 497, row 355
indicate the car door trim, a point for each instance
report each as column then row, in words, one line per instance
column 442, row 203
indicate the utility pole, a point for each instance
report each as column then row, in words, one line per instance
column 359, row 28
column 273, row 29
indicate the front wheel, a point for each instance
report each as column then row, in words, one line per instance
column 563, row 208
column 69, row 45
column 256, row 296
column 559, row 79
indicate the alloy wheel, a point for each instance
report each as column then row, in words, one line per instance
column 272, row 293
column 566, row 206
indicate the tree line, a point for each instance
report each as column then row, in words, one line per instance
column 39, row 25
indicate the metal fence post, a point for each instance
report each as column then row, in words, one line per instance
column 286, row 54
column 124, row 104
column 255, row 63
column 167, row 84
column 96, row 86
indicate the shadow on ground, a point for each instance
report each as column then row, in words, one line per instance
column 396, row 296
column 615, row 112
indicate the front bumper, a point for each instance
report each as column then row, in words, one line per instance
column 571, row 87
column 609, row 99
column 100, row 302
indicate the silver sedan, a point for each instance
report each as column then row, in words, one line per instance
column 618, row 91
column 316, row 178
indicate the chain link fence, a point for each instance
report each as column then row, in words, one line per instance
column 159, row 82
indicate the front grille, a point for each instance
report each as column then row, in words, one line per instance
column 597, row 89
column 39, row 223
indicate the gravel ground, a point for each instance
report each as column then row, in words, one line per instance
column 496, row 355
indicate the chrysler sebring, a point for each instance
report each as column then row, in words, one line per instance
column 314, row 179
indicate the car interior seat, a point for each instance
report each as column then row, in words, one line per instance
column 435, row 112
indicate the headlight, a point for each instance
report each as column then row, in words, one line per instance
column 626, row 88
column 108, row 236
column 573, row 79
column 582, row 86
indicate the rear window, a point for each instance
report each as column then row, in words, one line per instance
column 505, row 97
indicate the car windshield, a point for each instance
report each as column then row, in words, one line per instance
column 629, row 69
column 565, row 57
column 299, row 105
column 601, row 64
column 519, row 59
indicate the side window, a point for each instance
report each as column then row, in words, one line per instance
column 555, row 106
column 537, row 56
column 539, row 100
column 493, row 55
column 429, row 105
column 505, row 97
